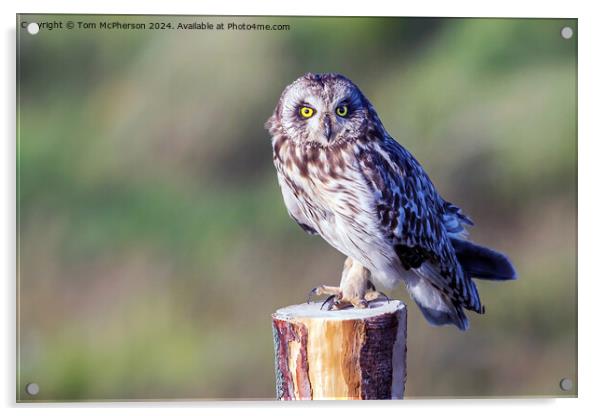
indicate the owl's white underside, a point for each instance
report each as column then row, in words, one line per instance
column 355, row 235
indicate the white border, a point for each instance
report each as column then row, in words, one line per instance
column 589, row 191
column 508, row 8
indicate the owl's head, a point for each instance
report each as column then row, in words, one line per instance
column 321, row 109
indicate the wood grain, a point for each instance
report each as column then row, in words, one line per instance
column 340, row 355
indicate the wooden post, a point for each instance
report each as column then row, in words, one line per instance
column 342, row 354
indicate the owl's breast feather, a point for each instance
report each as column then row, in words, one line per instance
column 332, row 197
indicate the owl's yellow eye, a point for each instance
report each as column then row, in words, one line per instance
column 306, row 112
column 342, row 111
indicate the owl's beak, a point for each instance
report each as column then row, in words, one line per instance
column 327, row 127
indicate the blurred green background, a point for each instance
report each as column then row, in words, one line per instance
column 153, row 241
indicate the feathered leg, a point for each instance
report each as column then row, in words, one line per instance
column 355, row 290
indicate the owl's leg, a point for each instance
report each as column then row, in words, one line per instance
column 333, row 293
column 356, row 288
column 323, row 290
column 336, row 295
column 373, row 294
column 354, row 285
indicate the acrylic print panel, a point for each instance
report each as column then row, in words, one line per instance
column 154, row 242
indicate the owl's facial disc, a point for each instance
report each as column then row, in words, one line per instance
column 325, row 128
column 316, row 118
column 332, row 125
column 323, row 109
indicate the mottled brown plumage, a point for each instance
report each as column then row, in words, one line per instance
column 345, row 178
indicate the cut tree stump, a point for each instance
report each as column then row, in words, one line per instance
column 342, row 354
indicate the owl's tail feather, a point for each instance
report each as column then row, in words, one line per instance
column 436, row 307
column 482, row 262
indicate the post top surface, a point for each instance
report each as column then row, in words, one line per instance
column 312, row 310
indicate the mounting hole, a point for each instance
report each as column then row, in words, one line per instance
column 566, row 32
column 32, row 389
column 33, row 28
column 566, row 384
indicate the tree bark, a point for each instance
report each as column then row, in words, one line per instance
column 346, row 354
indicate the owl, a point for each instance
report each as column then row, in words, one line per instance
column 344, row 178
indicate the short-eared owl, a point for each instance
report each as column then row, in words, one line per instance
column 345, row 178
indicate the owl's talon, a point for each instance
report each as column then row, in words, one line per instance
column 330, row 301
column 337, row 301
column 323, row 290
column 310, row 294
column 375, row 295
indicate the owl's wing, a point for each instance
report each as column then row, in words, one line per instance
column 416, row 221
column 292, row 203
